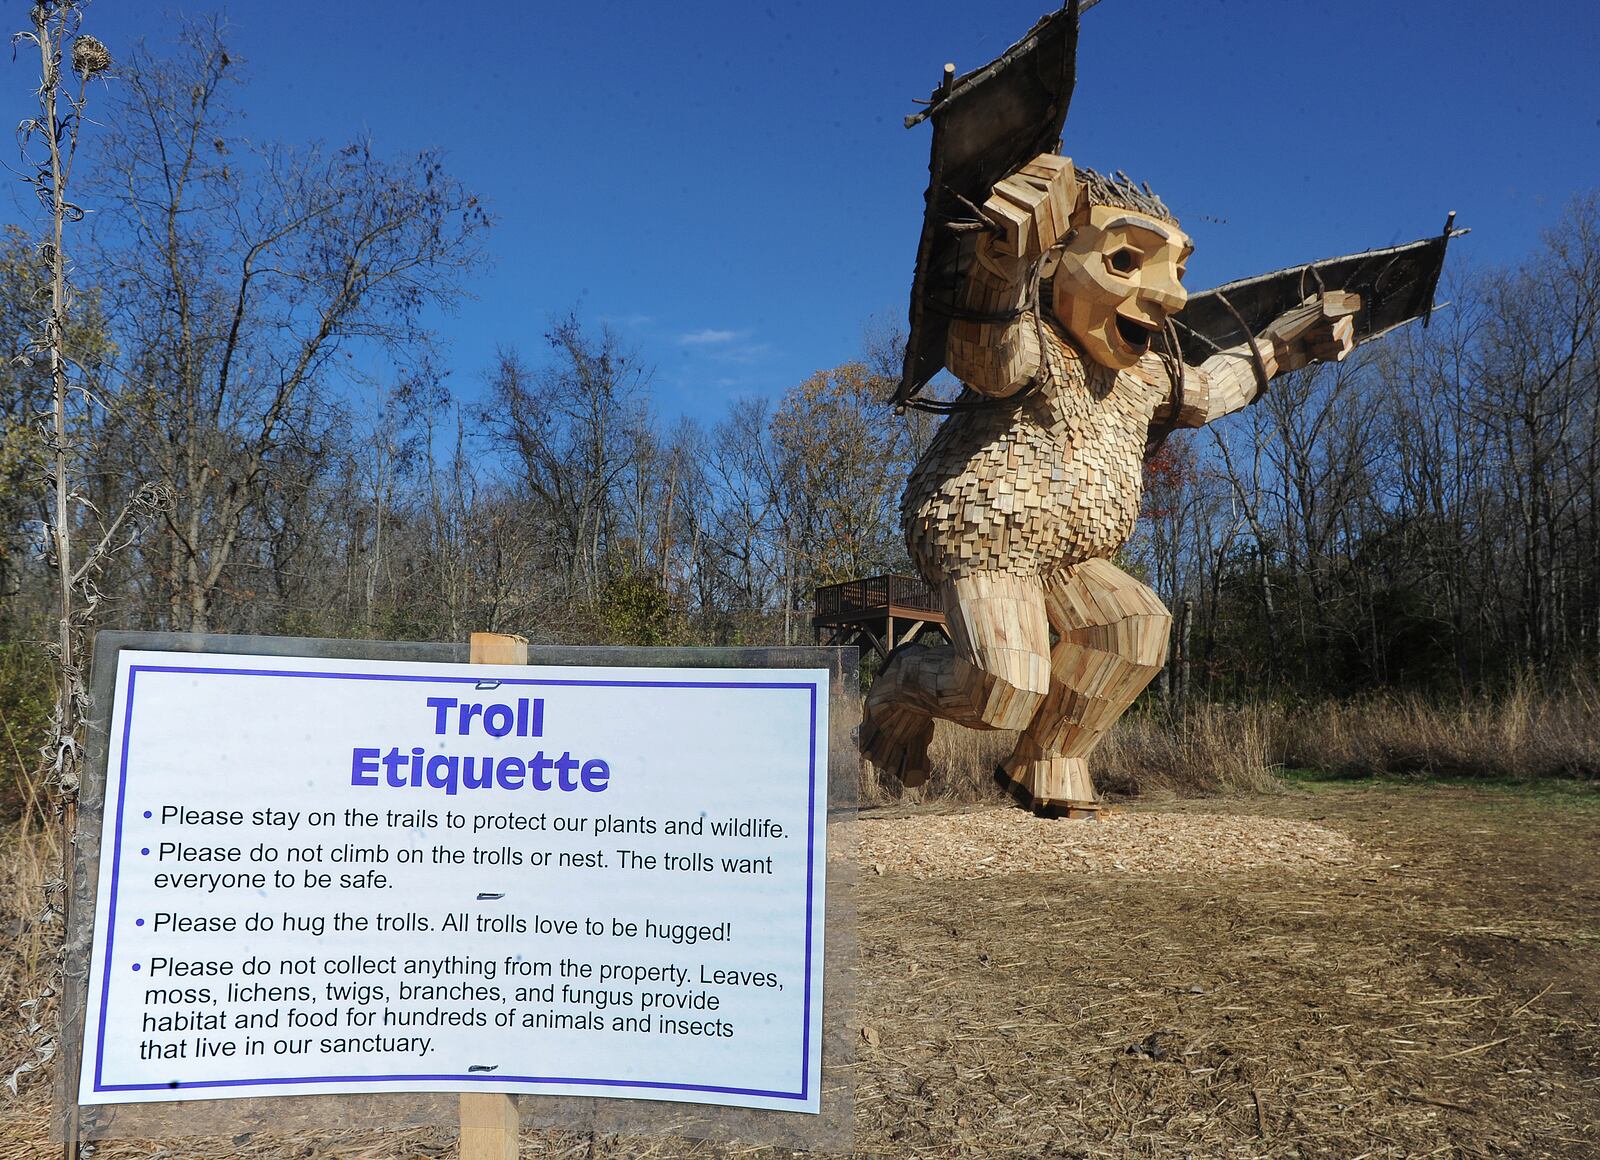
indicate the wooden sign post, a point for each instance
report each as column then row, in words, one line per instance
column 490, row 1120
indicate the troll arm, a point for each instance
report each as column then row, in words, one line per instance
column 995, row 349
column 1320, row 329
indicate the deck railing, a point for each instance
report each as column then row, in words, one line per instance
column 873, row 594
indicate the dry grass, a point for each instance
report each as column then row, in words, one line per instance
column 28, row 860
column 1213, row 749
column 1527, row 733
column 1210, row 749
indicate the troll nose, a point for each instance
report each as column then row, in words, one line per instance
column 1166, row 294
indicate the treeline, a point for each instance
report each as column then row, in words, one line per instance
column 1425, row 517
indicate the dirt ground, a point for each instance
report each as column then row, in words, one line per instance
column 1441, row 1000
column 1435, row 994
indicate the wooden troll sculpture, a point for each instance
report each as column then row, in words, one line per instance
column 1015, row 511
column 1061, row 328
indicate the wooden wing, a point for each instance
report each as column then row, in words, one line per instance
column 985, row 124
column 1395, row 284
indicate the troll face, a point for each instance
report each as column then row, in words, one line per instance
column 1118, row 280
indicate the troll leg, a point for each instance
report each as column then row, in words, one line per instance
column 1112, row 641
column 993, row 677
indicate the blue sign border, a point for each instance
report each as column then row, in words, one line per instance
column 570, row 1081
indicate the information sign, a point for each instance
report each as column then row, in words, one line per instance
column 334, row 876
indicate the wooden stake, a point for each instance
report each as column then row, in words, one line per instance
column 490, row 1120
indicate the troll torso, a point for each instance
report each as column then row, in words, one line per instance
column 1037, row 486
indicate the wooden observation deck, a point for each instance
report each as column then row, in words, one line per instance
column 881, row 611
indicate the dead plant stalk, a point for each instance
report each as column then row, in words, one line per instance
column 54, row 22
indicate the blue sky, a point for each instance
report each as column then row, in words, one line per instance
column 729, row 185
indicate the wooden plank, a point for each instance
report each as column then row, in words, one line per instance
column 489, row 1124
column 496, row 648
column 490, row 1120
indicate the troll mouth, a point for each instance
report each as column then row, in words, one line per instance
column 1135, row 333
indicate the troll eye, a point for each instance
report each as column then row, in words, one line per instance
column 1123, row 261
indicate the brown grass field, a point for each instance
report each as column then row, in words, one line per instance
column 1432, row 991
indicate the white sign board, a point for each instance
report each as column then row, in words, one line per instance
column 333, row 876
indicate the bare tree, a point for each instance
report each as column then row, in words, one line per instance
column 1439, row 468
column 577, row 433
column 1536, row 372
column 245, row 274
column 743, row 566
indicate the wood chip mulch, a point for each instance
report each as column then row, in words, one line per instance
column 1005, row 840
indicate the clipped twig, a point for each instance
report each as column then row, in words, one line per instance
column 1537, row 997
column 1431, row 1101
